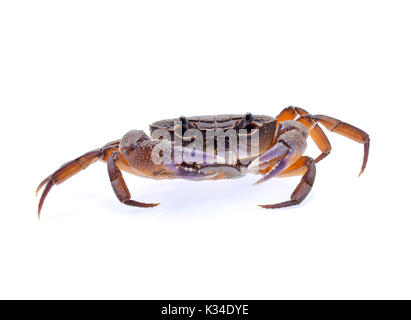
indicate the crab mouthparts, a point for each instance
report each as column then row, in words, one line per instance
column 192, row 170
column 190, row 167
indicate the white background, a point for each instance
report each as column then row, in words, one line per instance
column 77, row 74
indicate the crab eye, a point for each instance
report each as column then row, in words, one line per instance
column 249, row 117
column 183, row 120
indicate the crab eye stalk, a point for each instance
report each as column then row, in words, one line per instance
column 245, row 122
column 185, row 123
column 183, row 120
column 249, row 117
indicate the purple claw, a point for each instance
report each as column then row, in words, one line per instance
column 191, row 163
column 268, row 158
column 189, row 155
column 278, row 167
column 189, row 172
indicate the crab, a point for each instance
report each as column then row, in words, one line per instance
column 278, row 151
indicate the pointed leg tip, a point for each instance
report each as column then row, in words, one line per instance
column 43, row 197
column 149, row 205
column 279, row 205
column 152, row 205
column 41, row 185
column 266, row 206
column 134, row 203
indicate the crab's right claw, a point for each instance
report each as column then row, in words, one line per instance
column 269, row 158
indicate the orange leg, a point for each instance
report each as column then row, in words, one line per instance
column 298, row 168
column 290, row 113
column 316, row 133
column 119, row 185
column 341, row 128
column 73, row 167
column 304, row 165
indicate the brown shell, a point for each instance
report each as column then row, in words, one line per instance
column 264, row 125
column 226, row 121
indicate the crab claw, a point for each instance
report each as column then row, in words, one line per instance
column 193, row 164
column 197, row 156
column 269, row 158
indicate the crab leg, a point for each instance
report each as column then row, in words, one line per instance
column 71, row 168
column 290, row 113
column 298, row 168
column 316, row 133
column 343, row 129
column 304, row 164
column 119, row 185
